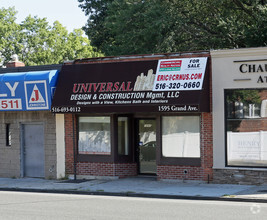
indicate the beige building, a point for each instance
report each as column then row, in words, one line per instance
column 239, row 100
column 31, row 137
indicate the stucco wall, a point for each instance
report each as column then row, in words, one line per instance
column 227, row 75
column 60, row 140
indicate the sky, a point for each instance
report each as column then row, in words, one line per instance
column 66, row 12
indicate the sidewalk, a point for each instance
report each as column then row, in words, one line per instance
column 140, row 187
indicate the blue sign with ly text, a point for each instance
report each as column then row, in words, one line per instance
column 27, row 91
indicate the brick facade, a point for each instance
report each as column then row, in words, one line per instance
column 87, row 168
column 202, row 173
column 69, row 156
column 107, row 169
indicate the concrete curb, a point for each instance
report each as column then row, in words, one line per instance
column 129, row 194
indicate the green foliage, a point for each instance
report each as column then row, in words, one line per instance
column 38, row 43
column 8, row 33
column 96, row 10
column 119, row 27
column 244, row 96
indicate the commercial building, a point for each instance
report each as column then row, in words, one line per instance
column 133, row 115
column 240, row 115
column 29, row 144
column 166, row 115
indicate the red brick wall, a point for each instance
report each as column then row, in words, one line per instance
column 203, row 173
column 69, row 143
column 177, row 172
column 207, row 146
column 106, row 169
column 93, row 169
column 250, row 125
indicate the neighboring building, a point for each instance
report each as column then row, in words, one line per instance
column 143, row 114
column 240, row 115
column 32, row 138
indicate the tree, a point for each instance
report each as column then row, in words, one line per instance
column 150, row 26
column 38, row 43
column 95, row 29
column 9, row 32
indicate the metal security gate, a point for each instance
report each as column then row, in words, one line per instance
column 32, row 150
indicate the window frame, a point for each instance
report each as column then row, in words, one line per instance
column 126, row 145
column 8, row 135
column 186, row 161
column 106, row 122
column 118, row 158
column 96, row 157
column 225, row 128
column 113, row 157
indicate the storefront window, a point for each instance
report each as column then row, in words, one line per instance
column 181, row 136
column 8, row 135
column 246, row 125
column 123, row 143
column 94, row 135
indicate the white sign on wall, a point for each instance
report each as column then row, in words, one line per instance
column 247, row 146
column 180, row 74
column 187, row 144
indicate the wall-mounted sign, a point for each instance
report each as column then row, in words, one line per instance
column 132, row 87
column 27, row 90
column 244, row 147
column 253, row 68
column 249, row 67
column 180, row 74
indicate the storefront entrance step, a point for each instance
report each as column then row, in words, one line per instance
column 152, row 177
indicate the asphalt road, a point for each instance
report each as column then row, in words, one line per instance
column 22, row 205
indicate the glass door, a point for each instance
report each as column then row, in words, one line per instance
column 147, row 146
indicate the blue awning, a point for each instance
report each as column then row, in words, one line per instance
column 27, row 91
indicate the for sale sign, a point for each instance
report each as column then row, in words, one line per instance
column 180, row 74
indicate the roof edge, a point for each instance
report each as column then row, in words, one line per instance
column 138, row 56
column 253, row 51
